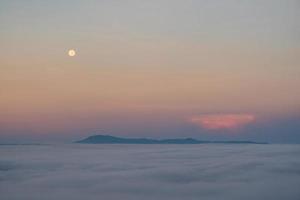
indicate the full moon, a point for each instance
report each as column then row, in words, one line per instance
column 71, row 52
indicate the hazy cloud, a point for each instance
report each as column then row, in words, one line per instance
column 147, row 172
column 222, row 121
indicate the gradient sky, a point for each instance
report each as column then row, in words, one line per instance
column 162, row 68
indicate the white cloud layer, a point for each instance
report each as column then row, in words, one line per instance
column 150, row 172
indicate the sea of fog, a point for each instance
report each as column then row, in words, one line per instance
column 150, row 172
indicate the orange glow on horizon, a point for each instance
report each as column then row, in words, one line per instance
column 222, row 121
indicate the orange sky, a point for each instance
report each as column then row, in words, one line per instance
column 126, row 71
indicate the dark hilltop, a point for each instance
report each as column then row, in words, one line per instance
column 107, row 139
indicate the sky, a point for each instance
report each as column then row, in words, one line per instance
column 214, row 70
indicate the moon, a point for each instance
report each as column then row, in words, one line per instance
column 71, row 52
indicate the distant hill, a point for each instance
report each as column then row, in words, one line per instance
column 107, row 139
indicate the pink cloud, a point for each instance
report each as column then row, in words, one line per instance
column 222, row 121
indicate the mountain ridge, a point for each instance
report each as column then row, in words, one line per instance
column 108, row 139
